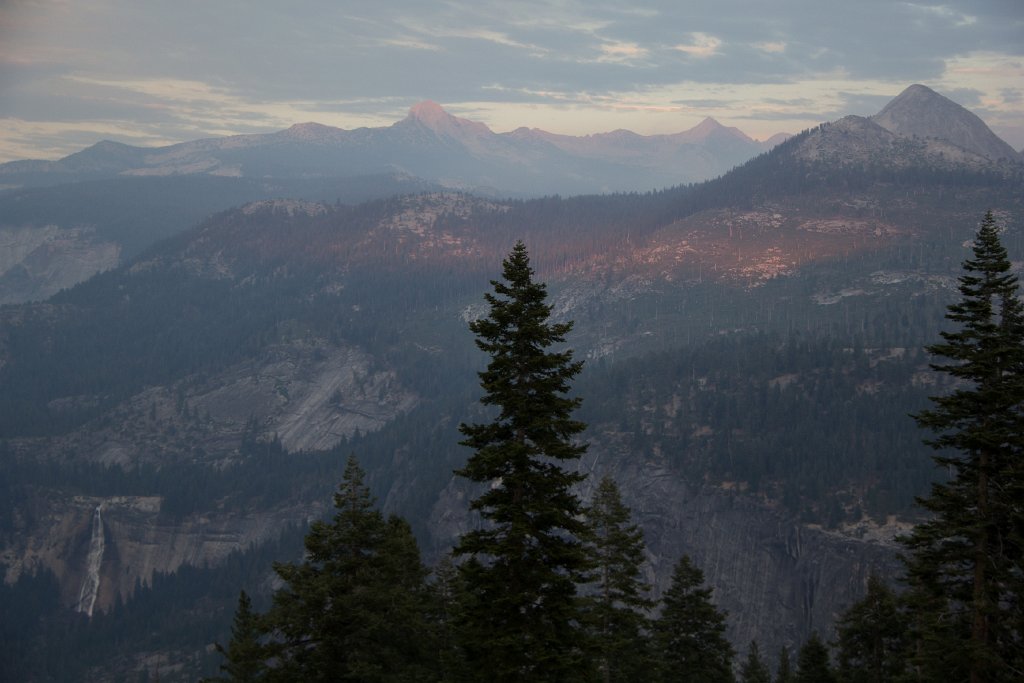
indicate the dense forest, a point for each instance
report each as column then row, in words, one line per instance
column 549, row 589
column 361, row 604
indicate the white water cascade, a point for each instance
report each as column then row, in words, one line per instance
column 91, row 583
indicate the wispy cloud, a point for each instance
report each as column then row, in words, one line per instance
column 700, row 45
column 211, row 69
column 410, row 43
column 946, row 13
column 622, row 53
column 773, row 47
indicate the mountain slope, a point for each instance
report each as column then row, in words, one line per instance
column 60, row 234
column 921, row 112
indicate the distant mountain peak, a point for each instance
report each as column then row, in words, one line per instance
column 311, row 132
column 918, row 89
column 427, row 111
column 708, row 124
column 433, row 116
column 922, row 112
column 309, row 127
column 710, row 127
column 105, row 155
column 109, row 145
column 913, row 97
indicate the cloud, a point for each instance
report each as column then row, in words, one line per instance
column 945, row 13
column 196, row 67
column 771, row 47
column 410, row 43
column 622, row 53
column 1012, row 95
column 700, row 45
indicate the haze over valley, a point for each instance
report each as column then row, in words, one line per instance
column 200, row 326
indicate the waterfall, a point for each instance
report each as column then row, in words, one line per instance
column 91, row 583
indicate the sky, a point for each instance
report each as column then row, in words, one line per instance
column 156, row 72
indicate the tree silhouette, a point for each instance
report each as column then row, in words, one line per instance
column 964, row 565
column 523, row 565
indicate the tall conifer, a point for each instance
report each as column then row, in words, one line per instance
column 357, row 607
column 244, row 654
column 618, row 606
column 964, row 566
column 784, row 672
column 754, row 670
column 872, row 637
column 523, row 565
column 689, row 637
column 812, row 662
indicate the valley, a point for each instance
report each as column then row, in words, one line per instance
column 753, row 347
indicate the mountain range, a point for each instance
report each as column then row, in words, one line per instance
column 430, row 144
column 752, row 343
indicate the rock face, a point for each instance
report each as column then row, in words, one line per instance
column 778, row 580
column 311, row 397
column 37, row 262
column 859, row 141
column 309, row 394
column 920, row 111
column 137, row 542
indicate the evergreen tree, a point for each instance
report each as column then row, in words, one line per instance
column 689, row 637
column 964, row 566
column 812, row 662
column 244, row 654
column 448, row 594
column 524, row 564
column 754, row 669
column 356, row 608
column 617, row 609
column 872, row 637
column 784, row 672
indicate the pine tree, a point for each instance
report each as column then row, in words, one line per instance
column 872, row 637
column 244, row 654
column 356, row 608
column 812, row 662
column 689, row 637
column 754, row 669
column 965, row 561
column 523, row 566
column 448, row 594
column 784, row 672
column 617, row 609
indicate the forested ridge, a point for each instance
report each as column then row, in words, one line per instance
column 544, row 592
column 793, row 390
column 362, row 604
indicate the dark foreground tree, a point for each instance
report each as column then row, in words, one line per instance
column 447, row 594
column 784, row 672
column 357, row 608
column 964, row 565
column 616, row 611
column 754, row 669
column 812, row 662
column 689, row 637
column 872, row 637
column 524, row 563
column 244, row 654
